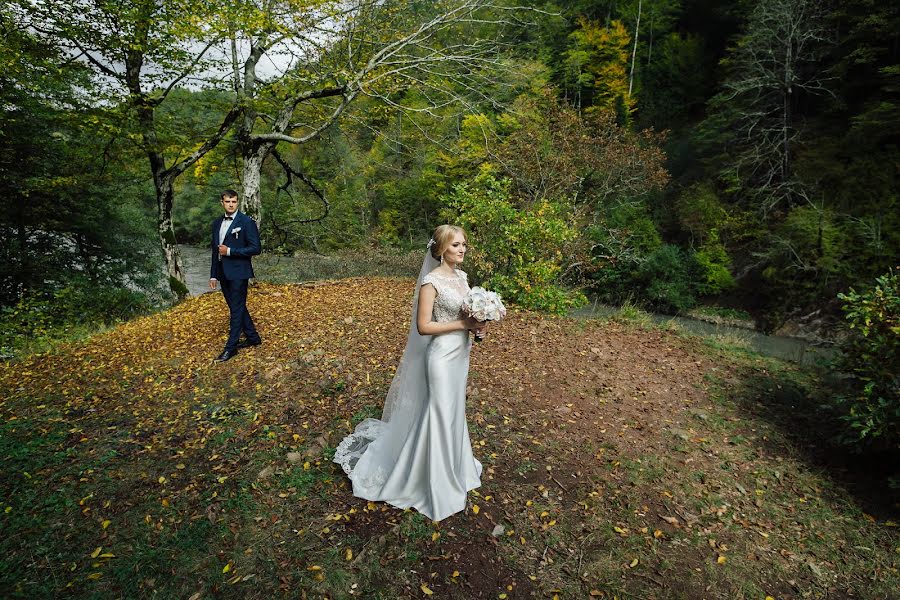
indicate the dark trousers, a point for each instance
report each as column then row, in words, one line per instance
column 235, row 292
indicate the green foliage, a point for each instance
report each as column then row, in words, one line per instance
column 597, row 66
column 80, row 307
column 664, row 280
column 517, row 252
column 713, row 265
column 871, row 354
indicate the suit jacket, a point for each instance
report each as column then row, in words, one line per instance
column 243, row 240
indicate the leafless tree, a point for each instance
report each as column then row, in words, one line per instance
column 773, row 65
column 445, row 51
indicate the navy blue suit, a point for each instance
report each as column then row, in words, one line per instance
column 234, row 271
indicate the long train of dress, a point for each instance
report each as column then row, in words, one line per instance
column 423, row 460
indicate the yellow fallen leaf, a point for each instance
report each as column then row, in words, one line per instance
column 633, row 564
column 426, row 590
column 226, row 568
column 95, row 576
column 107, row 555
column 105, row 523
column 596, row 593
column 306, row 466
column 180, row 466
column 8, row 509
column 475, row 508
column 96, row 552
column 502, row 596
column 455, row 574
column 314, row 568
column 721, row 560
column 161, row 479
column 348, row 555
column 435, row 536
column 770, row 598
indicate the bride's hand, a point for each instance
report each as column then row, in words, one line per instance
column 472, row 324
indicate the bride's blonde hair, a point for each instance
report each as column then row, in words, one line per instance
column 443, row 237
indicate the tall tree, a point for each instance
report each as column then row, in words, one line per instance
column 372, row 48
column 597, row 64
column 66, row 218
column 773, row 67
column 141, row 50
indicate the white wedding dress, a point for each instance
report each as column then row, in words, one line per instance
column 419, row 454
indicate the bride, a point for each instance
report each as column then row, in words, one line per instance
column 419, row 454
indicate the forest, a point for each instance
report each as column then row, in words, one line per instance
column 650, row 162
column 738, row 155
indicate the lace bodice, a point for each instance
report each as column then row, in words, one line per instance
column 451, row 290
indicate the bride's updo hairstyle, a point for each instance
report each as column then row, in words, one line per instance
column 443, row 237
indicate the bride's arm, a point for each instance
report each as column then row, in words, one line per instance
column 424, row 323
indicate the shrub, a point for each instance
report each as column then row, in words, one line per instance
column 713, row 276
column 518, row 252
column 39, row 318
column 870, row 355
column 665, row 280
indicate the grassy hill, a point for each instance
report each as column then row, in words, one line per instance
column 619, row 461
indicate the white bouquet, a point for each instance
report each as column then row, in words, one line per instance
column 483, row 305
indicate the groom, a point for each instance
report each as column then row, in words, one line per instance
column 235, row 238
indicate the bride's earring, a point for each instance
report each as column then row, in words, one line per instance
column 442, row 259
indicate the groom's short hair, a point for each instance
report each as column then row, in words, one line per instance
column 229, row 194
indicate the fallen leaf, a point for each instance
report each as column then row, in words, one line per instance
column 426, row 590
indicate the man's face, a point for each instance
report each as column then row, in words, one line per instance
column 229, row 203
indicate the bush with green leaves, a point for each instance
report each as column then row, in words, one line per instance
column 713, row 262
column 516, row 251
column 665, row 280
column 871, row 355
column 50, row 315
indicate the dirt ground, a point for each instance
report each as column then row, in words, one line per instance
column 620, row 461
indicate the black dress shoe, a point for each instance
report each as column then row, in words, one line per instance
column 226, row 354
column 248, row 343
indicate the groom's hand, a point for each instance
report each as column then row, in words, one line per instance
column 212, row 284
column 223, row 250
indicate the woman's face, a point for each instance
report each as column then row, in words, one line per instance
column 456, row 251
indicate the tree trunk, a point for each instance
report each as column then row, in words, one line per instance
column 637, row 31
column 254, row 156
column 165, row 200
